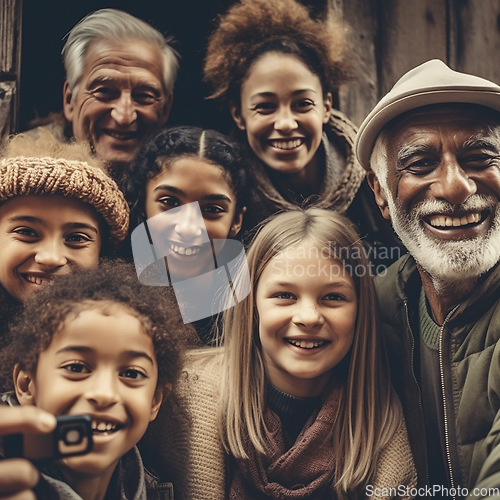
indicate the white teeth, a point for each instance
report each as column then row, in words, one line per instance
column 36, row 280
column 103, row 426
column 184, row 250
column 447, row 221
column 282, row 144
column 306, row 344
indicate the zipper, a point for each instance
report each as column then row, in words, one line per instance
column 443, row 393
column 412, row 369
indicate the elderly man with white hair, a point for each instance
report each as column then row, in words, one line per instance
column 119, row 87
column 431, row 148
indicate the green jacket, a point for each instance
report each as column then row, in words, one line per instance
column 469, row 354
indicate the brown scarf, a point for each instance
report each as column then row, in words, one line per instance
column 302, row 472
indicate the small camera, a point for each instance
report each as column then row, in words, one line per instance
column 72, row 436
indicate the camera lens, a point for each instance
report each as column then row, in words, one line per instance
column 72, row 436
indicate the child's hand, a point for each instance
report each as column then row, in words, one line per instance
column 18, row 476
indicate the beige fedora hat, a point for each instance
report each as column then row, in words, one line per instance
column 430, row 83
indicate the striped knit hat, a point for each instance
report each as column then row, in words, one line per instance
column 26, row 175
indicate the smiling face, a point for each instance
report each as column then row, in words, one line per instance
column 41, row 236
column 102, row 363
column 307, row 308
column 282, row 110
column 119, row 99
column 443, row 189
column 184, row 237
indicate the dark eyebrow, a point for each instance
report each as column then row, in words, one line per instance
column 139, row 354
column 27, row 218
column 88, row 350
column 208, row 197
column 81, row 225
column 294, row 93
column 217, row 197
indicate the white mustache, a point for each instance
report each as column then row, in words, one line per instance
column 476, row 203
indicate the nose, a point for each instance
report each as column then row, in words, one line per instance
column 102, row 391
column 123, row 111
column 50, row 253
column 190, row 224
column 453, row 183
column 307, row 315
column 285, row 120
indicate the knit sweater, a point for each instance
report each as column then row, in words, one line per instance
column 189, row 449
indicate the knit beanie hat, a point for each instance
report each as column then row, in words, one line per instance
column 26, row 175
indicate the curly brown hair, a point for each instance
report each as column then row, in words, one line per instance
column 251, row 28
column 114, row 282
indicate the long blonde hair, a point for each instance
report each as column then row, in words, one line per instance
column 368, row 415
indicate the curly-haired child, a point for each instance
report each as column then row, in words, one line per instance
column 98, row 342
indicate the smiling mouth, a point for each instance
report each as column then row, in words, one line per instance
column 37, row 279
column 104, row 428
column 286, row 144
column 453, row 222
column 307, row 344
column 183, row 250
column 121, row 136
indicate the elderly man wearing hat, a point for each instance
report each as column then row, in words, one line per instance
column 431, row 147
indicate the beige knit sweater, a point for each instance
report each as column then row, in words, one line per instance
column 191, row 452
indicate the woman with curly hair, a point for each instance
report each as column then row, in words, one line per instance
column 276, row 69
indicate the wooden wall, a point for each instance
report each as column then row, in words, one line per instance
column 10, row 63
column 393, row 36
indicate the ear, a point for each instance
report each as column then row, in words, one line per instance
column 380, row 196
column 236, row 115
column 161, row 393
column 237, row 222
column 24, row 386
column 328, row 107
column 68, row 105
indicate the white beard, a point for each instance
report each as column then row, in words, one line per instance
column 448, row 262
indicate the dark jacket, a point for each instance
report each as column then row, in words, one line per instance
column 131, row 481
column 469, row 355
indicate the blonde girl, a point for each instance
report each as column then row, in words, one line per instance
column 305, row 406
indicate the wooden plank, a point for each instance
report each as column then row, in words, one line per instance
column 475, row 37
column 7, row 109
column 358, row 97
column 10, row 44
column 411, row 32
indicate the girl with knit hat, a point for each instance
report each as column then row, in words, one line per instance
column 58, row 210
column 277, row 71
column 297, row 403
